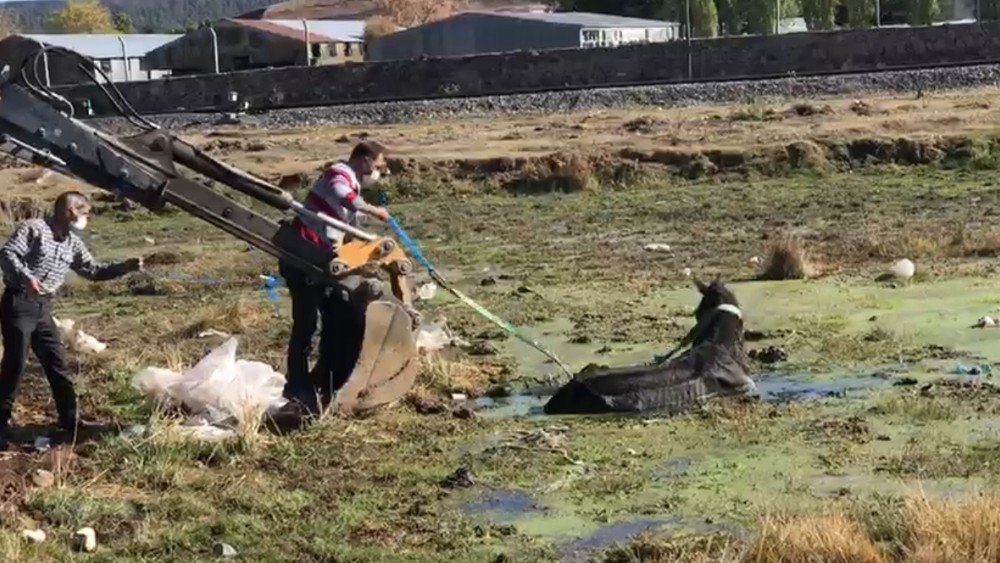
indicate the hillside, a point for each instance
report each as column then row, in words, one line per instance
column 171, row 15
column 362, row 9
column 147, row 15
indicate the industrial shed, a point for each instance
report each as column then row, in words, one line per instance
column 119, row 56
column 475, row 33
column 242, row 44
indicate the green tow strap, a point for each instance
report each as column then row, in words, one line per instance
column 411, row 245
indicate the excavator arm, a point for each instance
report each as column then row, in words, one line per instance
column 37, row 126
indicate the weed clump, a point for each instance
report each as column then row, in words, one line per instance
column 786, row 260
column 832, row 538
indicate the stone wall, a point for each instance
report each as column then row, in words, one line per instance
column 710, row 59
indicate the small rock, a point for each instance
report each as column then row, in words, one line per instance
column 687, row 272
column 498, row 392
column 873, row 318
column 461, row 478
column 482, row 348
column 631, row 452
column 224, row 550
column 906, row 381
column 524, row 289
column 43, row 479
column 425, row 405
column 86, row 539
column 769, row 355
column 34, row 536
column 657, row 247
column 463, row 413
column 755, row 260
column 42, row 444
column 604, row 350
column 488, row 281
column 580, row 339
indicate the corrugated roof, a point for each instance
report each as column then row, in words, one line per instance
column 340, row 30
column 320, row 31
column 583, row 19
column 104, row 46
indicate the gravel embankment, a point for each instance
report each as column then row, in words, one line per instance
column 656, row 96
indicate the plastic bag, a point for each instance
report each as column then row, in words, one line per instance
column 217, row 388
column 77, row 340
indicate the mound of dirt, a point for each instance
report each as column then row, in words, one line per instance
column 583, row 171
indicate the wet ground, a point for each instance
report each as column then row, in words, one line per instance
column 915, row 339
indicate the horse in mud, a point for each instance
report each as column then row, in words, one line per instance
column 715, row 364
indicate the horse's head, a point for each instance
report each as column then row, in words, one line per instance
column 712, row 296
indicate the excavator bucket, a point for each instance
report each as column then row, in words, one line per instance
column 388, row 363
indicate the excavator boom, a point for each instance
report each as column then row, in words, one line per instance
column 146, row 168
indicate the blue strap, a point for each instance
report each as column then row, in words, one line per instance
column 410, row 244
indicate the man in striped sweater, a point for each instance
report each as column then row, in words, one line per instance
column 35, row 262
column 337, row 193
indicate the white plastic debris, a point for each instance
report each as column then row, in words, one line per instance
column 656, row 247
column 459, row 397
column 77, row 340
column 86, row 539
column 687, row 272
column 435, row 336
column 212, row 332
column 986, row 322
column 34, row 536
column 218, row 388
column 755, row 260
column 149, row 240
column 903, row 269
column 427, row 291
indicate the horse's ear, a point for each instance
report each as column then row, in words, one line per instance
column 700, row 285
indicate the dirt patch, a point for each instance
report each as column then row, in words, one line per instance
column 852, row 429
column 16, row 470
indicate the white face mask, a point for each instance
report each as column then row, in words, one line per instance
column 79, row 224
column 371, row 179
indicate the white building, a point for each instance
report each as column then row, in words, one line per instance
column 119, row 56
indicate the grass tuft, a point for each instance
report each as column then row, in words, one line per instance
column 786, row 260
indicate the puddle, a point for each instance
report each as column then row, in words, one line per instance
column 503, row 505
column 515, row 406
column 582, row 549
column 775, row 388
column 772, row 387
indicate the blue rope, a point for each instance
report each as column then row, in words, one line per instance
column 410, row 244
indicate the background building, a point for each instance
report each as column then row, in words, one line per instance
column 119, row 56
column 246, row 43
column 475, row 33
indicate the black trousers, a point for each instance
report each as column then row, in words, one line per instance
column 343, row 322
column 28, row 323
column 307, row 300
column 340, row 339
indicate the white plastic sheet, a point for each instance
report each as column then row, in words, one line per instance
column 77, row 340
column 217, row 389
column 435, row 336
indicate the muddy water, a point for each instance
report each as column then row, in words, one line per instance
column 771, row 387
column 939, row 313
